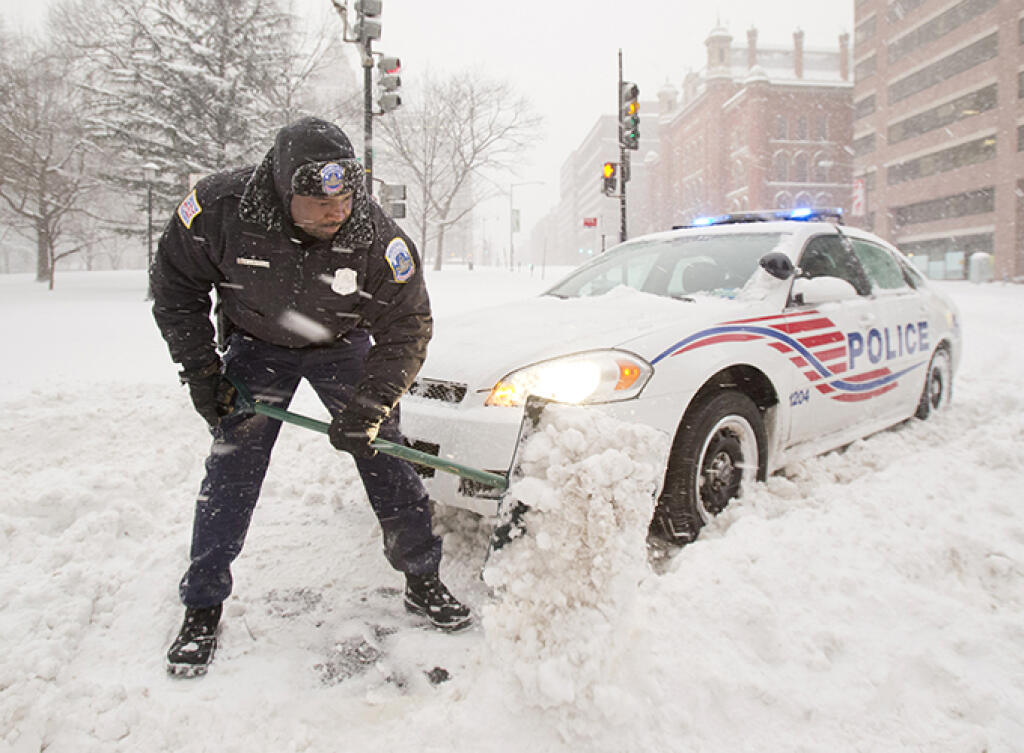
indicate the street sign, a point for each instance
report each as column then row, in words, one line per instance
column 859, row 205
column 590, row 222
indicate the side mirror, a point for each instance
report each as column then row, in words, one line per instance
column 818, row 290
column 778, row 265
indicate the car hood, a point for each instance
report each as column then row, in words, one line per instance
column 479, row 347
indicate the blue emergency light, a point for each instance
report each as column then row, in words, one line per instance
column 803, row 214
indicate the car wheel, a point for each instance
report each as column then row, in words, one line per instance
column 719, row 446
column 938, row 387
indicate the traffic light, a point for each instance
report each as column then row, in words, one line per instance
column 608, row 182
column 368, row 23
column 629, row 115
column 392, row 197
column 389, row 82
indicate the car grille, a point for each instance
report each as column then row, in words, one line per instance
column 436, row 389
column 431, row 449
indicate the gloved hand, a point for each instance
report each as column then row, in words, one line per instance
column 212, row 394
column 357, row 426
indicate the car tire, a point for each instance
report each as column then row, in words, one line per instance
column 719, row 446
column 938, row 387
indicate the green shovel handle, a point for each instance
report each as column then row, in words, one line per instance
column 246, row 403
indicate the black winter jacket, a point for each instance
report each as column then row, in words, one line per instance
column 279, row 285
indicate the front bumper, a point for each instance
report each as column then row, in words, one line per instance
column 476, row 435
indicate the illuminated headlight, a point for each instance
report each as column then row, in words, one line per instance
column 600, row 376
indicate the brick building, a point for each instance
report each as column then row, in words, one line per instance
column 939, row 129
column 757, row 128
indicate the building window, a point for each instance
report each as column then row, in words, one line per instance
column 781, row 132
column 864, row 145
column 980, row 201
column 800, row 168
column 821, row 127
column 801, row 128
column 1020, row 138
column 865, row 69
column 803, row 199
column 1020, row 30
column 780, row 167
column 942, row 115
column 819, row 168
column 942, row 70
column 783, row 200
column 943, row 258
column 865, row 31
column 943, row 161
column 1020, row 85
column 864, row 107
column 938, row 27
column 900, row 9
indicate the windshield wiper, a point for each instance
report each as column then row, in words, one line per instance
column 686, row 298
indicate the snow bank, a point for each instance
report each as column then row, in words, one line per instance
column 567, row 588
column 869, row 600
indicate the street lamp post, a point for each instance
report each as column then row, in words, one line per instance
column 511, row 220
column 149, row 175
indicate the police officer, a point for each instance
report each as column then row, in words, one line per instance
column 316, row 283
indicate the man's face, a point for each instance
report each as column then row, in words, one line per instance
column 321, row 216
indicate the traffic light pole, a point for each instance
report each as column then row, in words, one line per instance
column 368, row 113
column 622, row 156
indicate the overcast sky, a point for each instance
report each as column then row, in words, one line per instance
column 563, row 54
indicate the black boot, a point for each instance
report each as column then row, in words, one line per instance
column 427, row 595
column 192, row 651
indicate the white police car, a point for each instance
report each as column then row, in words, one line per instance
column 753, row 339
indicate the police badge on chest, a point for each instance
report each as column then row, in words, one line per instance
column 345, row 282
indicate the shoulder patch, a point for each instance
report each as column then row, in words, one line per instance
column 400, row 259
column 189, row 209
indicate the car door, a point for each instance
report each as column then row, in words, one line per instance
column 896, row 344
column 827, row 395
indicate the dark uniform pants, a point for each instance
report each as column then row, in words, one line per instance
column 240, row 455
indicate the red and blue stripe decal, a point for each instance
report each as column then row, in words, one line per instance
column 813, row 343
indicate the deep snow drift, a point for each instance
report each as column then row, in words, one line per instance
column 868, row 600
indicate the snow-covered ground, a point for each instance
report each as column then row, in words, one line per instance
column 869, row 600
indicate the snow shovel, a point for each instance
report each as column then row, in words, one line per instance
column 246, row 403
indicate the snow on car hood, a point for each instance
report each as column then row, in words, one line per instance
column 481, row 346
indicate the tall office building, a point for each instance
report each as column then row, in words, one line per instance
column 938, row 133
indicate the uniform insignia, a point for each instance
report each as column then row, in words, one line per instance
column 400, row 259
column 189, row 209
column 345, row 281
column 332, row 178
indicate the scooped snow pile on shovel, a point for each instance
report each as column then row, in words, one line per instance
column 567, row 587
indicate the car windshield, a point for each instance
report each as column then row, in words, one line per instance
column 675, row 267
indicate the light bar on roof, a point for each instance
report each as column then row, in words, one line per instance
column 803, row 214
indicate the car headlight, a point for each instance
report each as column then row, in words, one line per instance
column 599, row 376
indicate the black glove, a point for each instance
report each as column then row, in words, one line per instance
column 212, row 394
column 357, row 426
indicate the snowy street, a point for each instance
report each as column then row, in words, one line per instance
column 868, row 600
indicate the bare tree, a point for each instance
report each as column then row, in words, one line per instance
column 193, row 86
column 43, row 148
column 462, row 127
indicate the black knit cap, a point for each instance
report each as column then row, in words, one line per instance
column 313, row 157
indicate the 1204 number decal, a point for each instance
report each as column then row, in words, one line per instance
column 799, row 397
